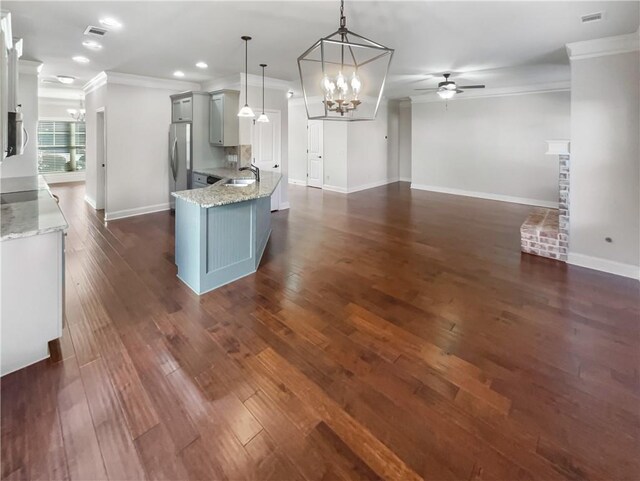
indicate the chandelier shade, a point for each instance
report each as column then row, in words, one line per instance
column 343, row 75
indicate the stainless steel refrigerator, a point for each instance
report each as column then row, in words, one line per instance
column 180, row 159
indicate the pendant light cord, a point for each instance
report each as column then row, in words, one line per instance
column 263, row 89
column 246, row 71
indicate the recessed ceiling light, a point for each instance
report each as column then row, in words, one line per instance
column 65, row 79
column 110, row 22
column 201, row 65
column 178, row 73
column 80, row 59
column 92, row 44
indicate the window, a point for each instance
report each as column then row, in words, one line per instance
column 61, row 146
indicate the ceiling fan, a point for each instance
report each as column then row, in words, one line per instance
column 448, row 88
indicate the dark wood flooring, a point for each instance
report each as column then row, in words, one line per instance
column 389, row 334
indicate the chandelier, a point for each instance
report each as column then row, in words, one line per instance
column 343, row 75
column 77, row 114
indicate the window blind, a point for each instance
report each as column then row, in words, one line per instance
column 61, row 146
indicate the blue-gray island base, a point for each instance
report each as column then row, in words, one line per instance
column 219, row 242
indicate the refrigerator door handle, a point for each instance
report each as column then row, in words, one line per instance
column 174, row 153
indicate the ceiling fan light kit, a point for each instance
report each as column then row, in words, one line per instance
column 343, row 75
column 448, row 89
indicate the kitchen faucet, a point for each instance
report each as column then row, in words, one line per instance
column 254, row 169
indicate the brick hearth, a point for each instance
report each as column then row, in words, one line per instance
column 545, row 232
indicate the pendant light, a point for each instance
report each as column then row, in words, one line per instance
column 246, row 110
column 263, row 117
column 343, row 75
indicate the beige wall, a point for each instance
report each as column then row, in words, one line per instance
column 605, row 162
column 491, row 146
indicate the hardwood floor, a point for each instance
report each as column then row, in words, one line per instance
column 389, row 334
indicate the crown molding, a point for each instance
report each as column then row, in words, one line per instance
column 269, row 82
column 604, row 46
column 236, row 82
column 108, row 77
column 67, row 94
column 59, row 101
column 31, row 67
column 230, row 82
column 543, row 88
column 95, row 83
column 149, row 82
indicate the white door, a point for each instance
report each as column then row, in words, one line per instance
column 314, row 153
column 266, row 150
column 101, row 160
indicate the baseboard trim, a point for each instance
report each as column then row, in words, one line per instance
column 90, row 201
column 333, row 188
column 122, row 214
column 405, row 179
column 604, row 265
column 485, row 195
column 60, row 177
column 284, row 205
column 358, row 188
column 297, row 182
column 371, row 185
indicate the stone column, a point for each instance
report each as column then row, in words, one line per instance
column 561, row 148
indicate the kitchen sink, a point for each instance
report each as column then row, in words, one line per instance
column 239, row 182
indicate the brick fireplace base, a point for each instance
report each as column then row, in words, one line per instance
column 546, row 231
column 539, row 234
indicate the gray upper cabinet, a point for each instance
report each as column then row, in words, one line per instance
column 223, row 118
column 182, row 110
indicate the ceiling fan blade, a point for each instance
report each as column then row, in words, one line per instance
column 432, row 89
column 471, row 86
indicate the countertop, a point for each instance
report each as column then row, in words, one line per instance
column 27, row 208
column 219, row 194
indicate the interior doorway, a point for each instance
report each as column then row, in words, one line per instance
column 101, row 160
column 266, row 148
column 315, row 163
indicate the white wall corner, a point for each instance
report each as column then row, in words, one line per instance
column 30, row 67
column 604, row 46
column 558, row 147
column 604, row 265
column 90, row 201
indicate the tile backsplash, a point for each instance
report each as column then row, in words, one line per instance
column 237, row 156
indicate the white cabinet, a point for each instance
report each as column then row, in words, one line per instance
column 182, row 109
column 224, row 127
column 32, row 309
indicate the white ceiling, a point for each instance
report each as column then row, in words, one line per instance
column 501, row 44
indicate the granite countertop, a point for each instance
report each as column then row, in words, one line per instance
column 27, row 208
column 219, row 194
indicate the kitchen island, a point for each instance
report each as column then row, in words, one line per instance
column 222, row 230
